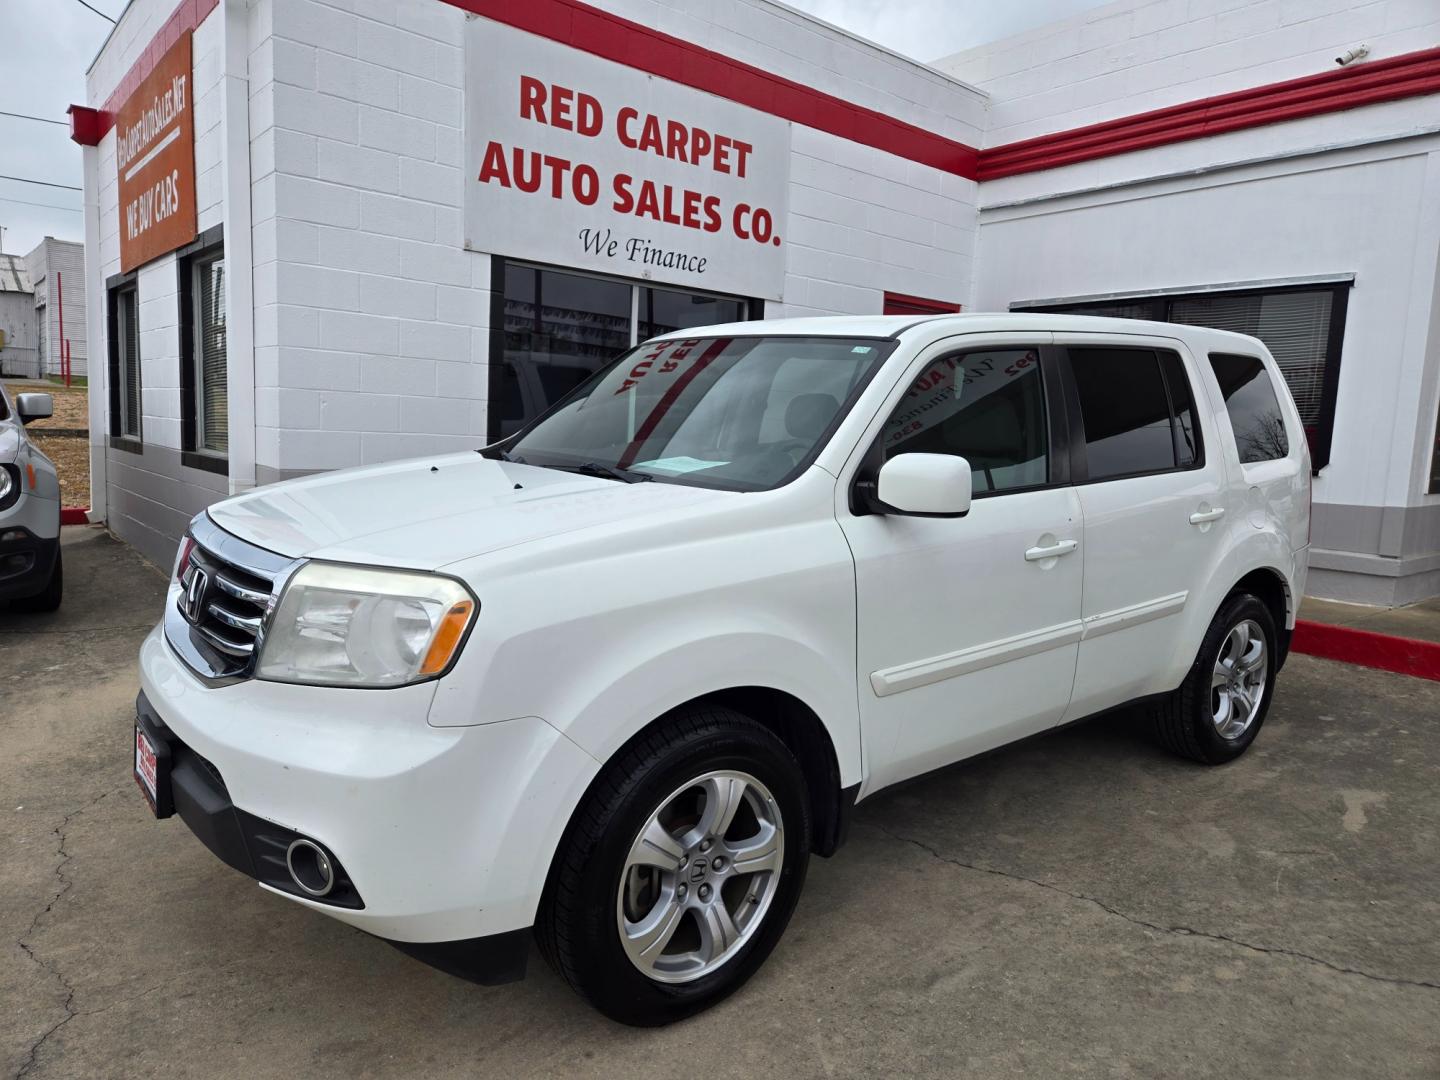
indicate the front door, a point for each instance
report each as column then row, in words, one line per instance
column 1151, row 488
column 968, row 627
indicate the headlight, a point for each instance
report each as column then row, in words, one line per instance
column 353, row 626
column 9, row 486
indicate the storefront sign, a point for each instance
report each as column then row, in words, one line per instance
column 155, row 160
column 580, row 162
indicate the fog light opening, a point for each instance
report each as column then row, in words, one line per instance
column 310, row 867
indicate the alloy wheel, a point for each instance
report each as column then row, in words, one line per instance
column 700, row 876
column 1237, row 684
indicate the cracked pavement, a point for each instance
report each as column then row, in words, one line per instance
column 1080, row 905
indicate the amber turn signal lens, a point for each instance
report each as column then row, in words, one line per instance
column 447, row 637
column 30, row 472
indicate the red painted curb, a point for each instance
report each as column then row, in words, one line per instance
column 1404, row 656
column 74, row 515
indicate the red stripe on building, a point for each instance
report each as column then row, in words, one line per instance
column 573, row 23
column 74, row 515
column 610, row 37
column 1370, row 83
column 1405, row 656
column 93, row 125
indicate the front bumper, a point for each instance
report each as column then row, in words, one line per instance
column 444, row 834
column 26, row 561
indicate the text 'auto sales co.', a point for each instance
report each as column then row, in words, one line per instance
column 618, row 171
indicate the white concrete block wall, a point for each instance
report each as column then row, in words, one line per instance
column 1136, row 55
column 863, row 222
column 814, row 53
column 371, row 321
column 150, row 495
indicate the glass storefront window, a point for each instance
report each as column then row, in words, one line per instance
column 560, row 327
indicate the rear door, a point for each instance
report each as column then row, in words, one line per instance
column 1151, row 492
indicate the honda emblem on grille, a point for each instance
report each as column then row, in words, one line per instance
column 191, row 604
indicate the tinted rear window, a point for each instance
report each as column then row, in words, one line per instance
column 1126, row 412
column 1253, row 407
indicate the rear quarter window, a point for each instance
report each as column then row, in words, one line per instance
column 1253, row 406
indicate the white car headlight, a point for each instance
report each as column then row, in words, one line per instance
column 340, row 625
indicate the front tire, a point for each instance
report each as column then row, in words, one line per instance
column 1218, row 710
column 680, row 870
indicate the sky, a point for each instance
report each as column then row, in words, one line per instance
column 48, row 44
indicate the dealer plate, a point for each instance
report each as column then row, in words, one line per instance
column 147, row 768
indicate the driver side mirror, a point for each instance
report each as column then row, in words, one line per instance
column 925, row 485
column 34, row 407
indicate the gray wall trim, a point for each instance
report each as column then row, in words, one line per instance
column 151, row 497
column 1374, row 565
column 1391, row 532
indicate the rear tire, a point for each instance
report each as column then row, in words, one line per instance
column 680, row 869
column 48, row 598
column 1218, row 710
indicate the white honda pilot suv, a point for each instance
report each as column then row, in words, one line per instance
column 610, row 682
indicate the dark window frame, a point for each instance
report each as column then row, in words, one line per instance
column 116, row 286
column 495, row 386
column 1080, row 458
column 1161, row 304
column 207, row 245
column 1433, row 488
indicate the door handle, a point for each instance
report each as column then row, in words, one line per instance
column 1053, row 551
column 1201, row 517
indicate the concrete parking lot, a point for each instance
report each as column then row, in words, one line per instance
column 1081, row 905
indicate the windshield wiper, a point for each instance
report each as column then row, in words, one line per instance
column 611, row 472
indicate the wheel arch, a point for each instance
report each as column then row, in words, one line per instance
column 1272, row 588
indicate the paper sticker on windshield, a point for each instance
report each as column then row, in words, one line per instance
column 678, row 464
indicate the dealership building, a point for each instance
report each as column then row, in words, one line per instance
column 324, row 233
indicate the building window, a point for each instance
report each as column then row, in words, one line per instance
column 205, row 419
column 1302, row 326
column 901, row 304
column 124, row 362
column 555, row 328
column 1435, row 461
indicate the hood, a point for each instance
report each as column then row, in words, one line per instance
column 427, row 512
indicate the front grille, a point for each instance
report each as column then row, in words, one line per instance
column 225, row 593
column 224, row 605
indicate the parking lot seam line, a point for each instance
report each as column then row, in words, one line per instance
column 1178, row 931
column 61, row 832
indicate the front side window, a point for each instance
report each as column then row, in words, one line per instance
column 1126, row 412
column 1254, row 409
column 125, row 363
column 208, row 414
column 987, row 407
column 739, row 413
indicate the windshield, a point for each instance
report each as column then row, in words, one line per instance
column 740, row 413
